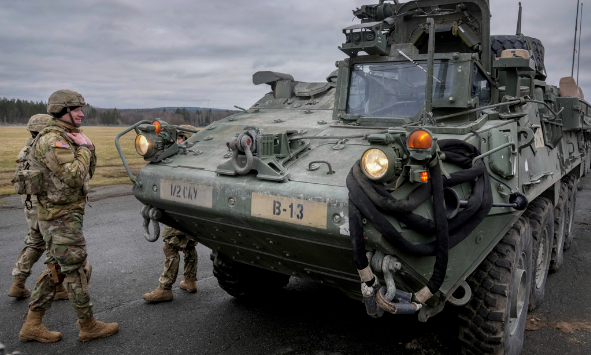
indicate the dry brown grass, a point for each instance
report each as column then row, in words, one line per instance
column 109, row 169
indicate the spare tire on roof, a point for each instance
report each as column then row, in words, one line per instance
column 502, row 42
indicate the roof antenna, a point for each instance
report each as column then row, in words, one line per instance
column 572, row 72
column 580, row 35
column 518, row 32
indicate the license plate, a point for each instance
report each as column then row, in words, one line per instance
column 290, row 210
column 183, row 192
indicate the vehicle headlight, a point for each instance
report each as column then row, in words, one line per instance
column 375, row 163
column 142, row 145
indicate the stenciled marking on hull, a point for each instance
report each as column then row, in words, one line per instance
column 290, row 210
column 183, row 192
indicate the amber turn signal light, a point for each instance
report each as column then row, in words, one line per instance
column 158, row 126
column 420, row 140
column 424, row 176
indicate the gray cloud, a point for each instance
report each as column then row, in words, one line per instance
column 131, row 53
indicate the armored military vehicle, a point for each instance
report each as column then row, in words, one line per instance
column 434, row 167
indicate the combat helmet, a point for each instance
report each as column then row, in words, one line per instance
column 62, row 99
column 37, row 122
column 184, row 134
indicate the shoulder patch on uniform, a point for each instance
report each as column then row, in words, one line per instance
column 60, row 144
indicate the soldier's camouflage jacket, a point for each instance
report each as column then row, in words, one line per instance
column 67, row 170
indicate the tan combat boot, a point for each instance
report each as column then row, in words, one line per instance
column 33, row 329
column 158, row 295
column 189, row 286
column 60, row 293
column 18, row 288
column 91, row 329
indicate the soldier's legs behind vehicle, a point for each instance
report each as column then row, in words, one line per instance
column 190, row 259
column 189, row 284
column 171, row 266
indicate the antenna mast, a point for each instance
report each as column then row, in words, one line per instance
column 572, row 73
column 518, row 32
column 580, row 34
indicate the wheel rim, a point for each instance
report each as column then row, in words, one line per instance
column 519, row 283
column 542, row 257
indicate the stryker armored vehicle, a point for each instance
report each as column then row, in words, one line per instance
column 434, row 167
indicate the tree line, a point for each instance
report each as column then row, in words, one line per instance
column 18, row 112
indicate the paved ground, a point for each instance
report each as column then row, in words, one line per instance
column 305, row 318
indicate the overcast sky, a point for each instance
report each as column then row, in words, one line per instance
column 148, row 53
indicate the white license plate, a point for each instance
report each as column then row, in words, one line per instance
column 290, row 210
column 184, row 192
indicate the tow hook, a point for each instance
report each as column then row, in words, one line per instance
column 151, row 214
column 244, row 143
column 388, row 298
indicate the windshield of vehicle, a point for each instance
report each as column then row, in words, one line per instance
column 395, row 89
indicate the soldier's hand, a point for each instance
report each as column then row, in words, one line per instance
column 79, row 138
column 88, row 141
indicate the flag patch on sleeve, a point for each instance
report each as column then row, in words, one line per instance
column 60, row 144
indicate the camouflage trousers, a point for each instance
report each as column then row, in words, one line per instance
column 65, row 263
column 171, row 263
column 34, row 246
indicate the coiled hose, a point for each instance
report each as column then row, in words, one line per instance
column 369, row 199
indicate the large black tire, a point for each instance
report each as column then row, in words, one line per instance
column 540, row 214
column 241, row 280
column 501, row 42
column 560, row 229
column 493, row 322
column 572, row 185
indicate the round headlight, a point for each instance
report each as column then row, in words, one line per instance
column 141, row 145
column 375, row 163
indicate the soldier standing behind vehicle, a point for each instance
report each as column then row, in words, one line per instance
column 66, row 159
column 175, row 241
column 35, row 246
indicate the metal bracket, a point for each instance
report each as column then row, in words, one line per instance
column 511, row 144
column 538, row 178
column 427, row 312
column 529, row 137
column 313, row 166
column 340, row 144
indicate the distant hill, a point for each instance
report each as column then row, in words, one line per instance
column 190, row 108
column 18, row 112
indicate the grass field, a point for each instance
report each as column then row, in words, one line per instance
column 109, row 169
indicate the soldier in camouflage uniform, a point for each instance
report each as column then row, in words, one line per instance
column 67, row 160
column 175, row 241
column 34, row 244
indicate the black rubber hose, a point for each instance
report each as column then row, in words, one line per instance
column 479, row 204
column 401, row 209
column 356, row 232
column 442, row 233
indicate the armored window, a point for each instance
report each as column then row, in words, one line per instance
column 480, row 86
column 396, row 89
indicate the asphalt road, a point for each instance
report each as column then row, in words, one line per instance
column 305, row 318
